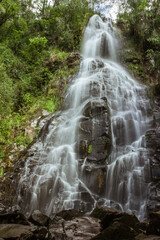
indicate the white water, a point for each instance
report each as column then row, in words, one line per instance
column 52, row 179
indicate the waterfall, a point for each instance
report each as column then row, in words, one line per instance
column 93, row 152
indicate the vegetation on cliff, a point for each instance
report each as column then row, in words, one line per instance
column 35, row 44
column 141, row 24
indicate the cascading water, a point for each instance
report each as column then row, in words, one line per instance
column 61, row 167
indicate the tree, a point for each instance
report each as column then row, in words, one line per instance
column 8, row 10
column 142, row 24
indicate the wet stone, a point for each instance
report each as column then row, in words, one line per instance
column 145, row 237
column 96, row 64
column 69, row 214
column 95, row 178
column 13, row 217
column 73, row 59
column 16, row 231
column 109, row 215
column 153, row 146
column 39, row 218
column 116, row 231
column 83, row 228
column 154, row 224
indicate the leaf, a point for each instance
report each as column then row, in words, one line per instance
column 90, row 149
column 1, row 171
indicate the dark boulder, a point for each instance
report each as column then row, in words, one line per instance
column 16, row 231
column 109, row 216
column 154, row 224
column 69, row 214
column 39, row 218
column 13, row 218
column 41, row 233
column 106, row 215
column 116, row 231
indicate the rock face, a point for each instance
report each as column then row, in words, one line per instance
column 153, row 145
column 94, row 145
column 73, row 59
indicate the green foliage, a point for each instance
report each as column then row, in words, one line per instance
column 1, row 171
column 22, row 140
column 89, row 148
column 66, row 22
column 8, row 10
column 142, row 23
column 6, row 92
column 51, row 105
column 35, row 49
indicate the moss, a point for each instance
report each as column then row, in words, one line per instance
column 89, row 149
column 148, row 138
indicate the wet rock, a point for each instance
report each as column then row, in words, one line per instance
column 45, row 128
column 73, row 59
column 116, row 231
column 2, row 208
column 94, row 144
column 150, row 237
column 69, row 214
column 19, row 231
column 7, row 189
column 13, row 217
column 154, row 224
column 95, row 177
column 16, row 231
column 113, row 221
column 96, row 64
column 41, row 233
column 153, row 146
column 118, row 225
column 130, row 220
column 141, row 227
column 106, row 215
column 39, row 218
column 94, row 132
column 82, row 228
